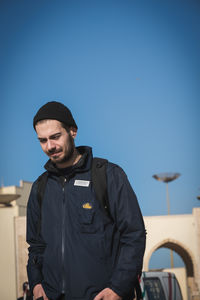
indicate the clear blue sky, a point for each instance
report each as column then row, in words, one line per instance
column 129, row 70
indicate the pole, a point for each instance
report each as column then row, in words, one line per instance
column 168, row 204
column 168, row 210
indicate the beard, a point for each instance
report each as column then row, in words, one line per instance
column 67, row 155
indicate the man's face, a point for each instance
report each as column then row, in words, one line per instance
column 55, row 141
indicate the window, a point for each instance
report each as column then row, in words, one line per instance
column 153, row 288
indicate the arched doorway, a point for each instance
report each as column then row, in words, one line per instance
column 186, row 256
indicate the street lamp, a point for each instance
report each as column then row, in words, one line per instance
column 167, row 177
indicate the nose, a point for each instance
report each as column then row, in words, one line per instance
column 50, row 145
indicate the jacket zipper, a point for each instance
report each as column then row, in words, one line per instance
column 63, row 236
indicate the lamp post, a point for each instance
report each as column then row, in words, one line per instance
column 166, row 178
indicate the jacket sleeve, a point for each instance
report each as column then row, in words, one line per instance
column 34, row 239
column 126, row 213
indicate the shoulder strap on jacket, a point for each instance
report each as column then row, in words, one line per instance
column 41, row 185
column 99, row 181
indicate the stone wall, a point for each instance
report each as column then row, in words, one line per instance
column 21, row 252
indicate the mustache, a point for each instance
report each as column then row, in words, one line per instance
column 54, row 151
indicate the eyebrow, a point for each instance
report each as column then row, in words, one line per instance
column 50, row 137
column 55, row 135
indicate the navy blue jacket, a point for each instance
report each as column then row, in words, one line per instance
column 80, row 250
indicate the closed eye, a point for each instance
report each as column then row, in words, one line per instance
column 42, row 141
column 55, row 136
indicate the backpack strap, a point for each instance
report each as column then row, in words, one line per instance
column 41, row 185
column 99, row 181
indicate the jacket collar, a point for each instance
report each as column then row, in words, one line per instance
column 83, row 165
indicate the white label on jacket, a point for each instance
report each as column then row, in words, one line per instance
column 84, row 183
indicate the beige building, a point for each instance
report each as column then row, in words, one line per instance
column 180, row 233
column 13, row 248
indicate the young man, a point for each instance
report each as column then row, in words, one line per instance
column 79, row 251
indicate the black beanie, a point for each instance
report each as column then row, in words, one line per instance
column 55, row 111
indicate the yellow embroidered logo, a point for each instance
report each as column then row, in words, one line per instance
column 87, row 205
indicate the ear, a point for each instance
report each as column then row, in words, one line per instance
column 73, row 132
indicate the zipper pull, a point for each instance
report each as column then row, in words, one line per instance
column 64, row 181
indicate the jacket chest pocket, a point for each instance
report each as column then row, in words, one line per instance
column 86, row 219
